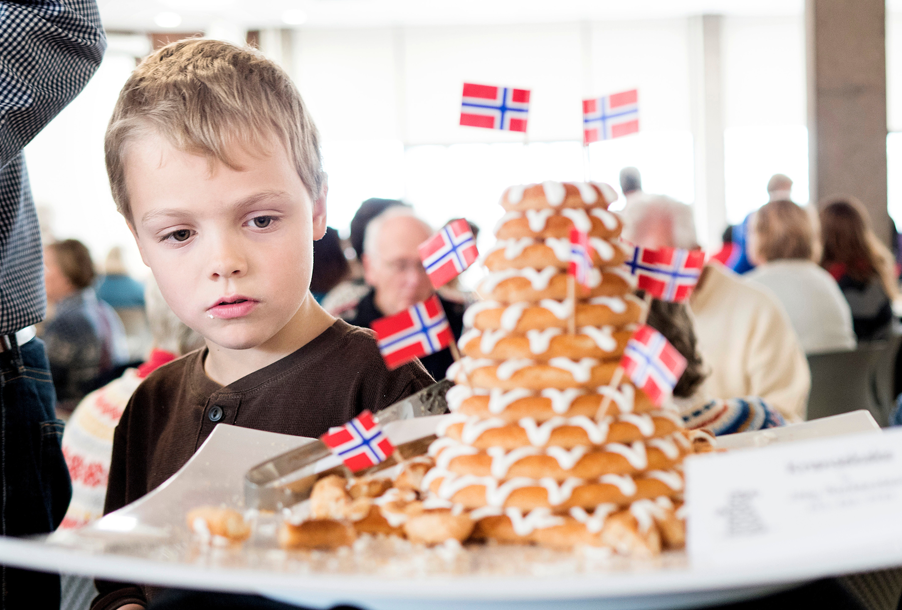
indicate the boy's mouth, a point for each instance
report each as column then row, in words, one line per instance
column 231, row 307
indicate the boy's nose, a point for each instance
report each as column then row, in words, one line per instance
column 227, row 261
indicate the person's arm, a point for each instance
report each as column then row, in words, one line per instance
column 50, row 50
column 777, row 368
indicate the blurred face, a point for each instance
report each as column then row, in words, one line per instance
column 231, row 250
column 56, row 283
column 395, row 269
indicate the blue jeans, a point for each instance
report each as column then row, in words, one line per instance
column 33, row 474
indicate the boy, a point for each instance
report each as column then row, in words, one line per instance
column 215, row 165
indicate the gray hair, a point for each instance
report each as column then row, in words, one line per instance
column 657, row 215
column 169, row 333
column 374, row 228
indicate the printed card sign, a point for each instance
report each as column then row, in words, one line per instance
column 818, row 500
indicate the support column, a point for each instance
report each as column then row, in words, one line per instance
column 846, row 42
column 707, row 127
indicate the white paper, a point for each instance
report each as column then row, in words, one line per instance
column 804, row 500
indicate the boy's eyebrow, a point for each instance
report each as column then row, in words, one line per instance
column 239, row 206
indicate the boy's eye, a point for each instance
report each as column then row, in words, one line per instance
column 261, row 222
column 180, row 235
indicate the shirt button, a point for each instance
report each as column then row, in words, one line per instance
column 215, row 413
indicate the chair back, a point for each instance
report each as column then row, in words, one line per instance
column 842, row 382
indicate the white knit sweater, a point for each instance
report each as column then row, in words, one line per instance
column 748, row 343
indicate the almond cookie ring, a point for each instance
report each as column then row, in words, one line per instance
column 541, row 224
column 533, row 285
column 218, row 521
column 557, row 195
column 323, row 534
column 529, row 253
column 555, row 462
column 603, row 343
column 528, row 494
column 438, row 526
column 567, row 432
column 523, row 316
column 514, row 405
column 529, row 374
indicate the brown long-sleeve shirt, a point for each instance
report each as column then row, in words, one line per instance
column 325, row 383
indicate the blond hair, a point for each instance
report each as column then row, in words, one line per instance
column 206, row 97
column 783, row 230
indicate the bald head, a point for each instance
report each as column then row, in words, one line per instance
column 391, row 261
column 655, row 222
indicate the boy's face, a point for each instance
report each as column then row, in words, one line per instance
column 232, row 251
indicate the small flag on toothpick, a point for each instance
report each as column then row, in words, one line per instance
column 580, row 256
column 360, row 443
column 652, row 363
column 449, row 252
column 669, row 274
column 418, row 331
column 493, row 107
column 610, row 116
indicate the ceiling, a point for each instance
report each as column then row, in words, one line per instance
column 200, row 15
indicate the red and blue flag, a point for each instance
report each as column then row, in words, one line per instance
column 360, row 443
column 449, row 252
column 418, row 331
column 610, row 116
column 669, row 274
column 493, row 107
column 652, row 363
column 580, row 256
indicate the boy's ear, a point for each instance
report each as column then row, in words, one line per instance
column 131, row 228
column 319, row 213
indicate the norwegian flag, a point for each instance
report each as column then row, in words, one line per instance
column 494, row 107
column 580, row 256
column 360, row 443
column 449, row 252
column 652, row 363
column 419, row 331
column 669, row 274
column 610, row 116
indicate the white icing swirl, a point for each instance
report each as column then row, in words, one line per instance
column 538, row 219
column 567, row 459
column 623, row 482
column 609, row 194
column 515, row 193
column 635, row 454
column 624, row 397
column 581, row 371
column 669, row 478
column 468, row 365
column 539, row 435
column 497, row 493
column 503, row 460
column 536, row 519
column 562, row 400
column 507, row 368
column 667, row 446
column 579, row 218
column 514, row 247
column 509, row 216
column 643, row 422
column 490, row 339
column 476, row 308
column 615, row 304
column 512, row 314
column 603, row 337
column 500, row 400
column 604, row 249
column 560, row 309
column 555, row 192
column 539, row 279
column 607, row 219
column 476, row 427
column 594, row 523
column 644, row 512
column 467, row 337
column 540, row 340
column 587, row 192
column 560, row 247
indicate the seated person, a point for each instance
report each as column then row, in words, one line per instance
column 860, row 264
column 697, row 408
column 393, row 270
column 88, row 437
column 743, row 332
column 782, row 245
column 84, row 338
column 215, row 164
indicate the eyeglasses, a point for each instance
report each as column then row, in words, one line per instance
column 403, row 265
